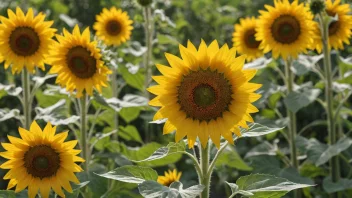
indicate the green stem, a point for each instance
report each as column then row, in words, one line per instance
column 148, row 29
column 84, row 144
column 27, row 106
column 334, row 162
column 292, row 116
column 204, row 163
column 115, row 94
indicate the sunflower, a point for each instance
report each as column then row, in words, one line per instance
column 170, row 176
column 244, row 39
column 25, row 40
column 41, row 160
column 77, row 61
column 285, row 29
column 113, row 26
column 339, row 31
column 206, row 93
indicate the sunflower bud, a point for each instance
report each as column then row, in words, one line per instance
column 317, row 6
column 145, row 2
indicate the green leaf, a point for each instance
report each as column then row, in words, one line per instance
column 262, row 185
column 235, row 191
column 256, row 130
column 130, row 133
column 152, row 189
column 129, row 114
column 6, row 114
column 171, row 148
column 297, row 100
column 139, row 154
column 232, row 159
column 131, row 174
column 331, row 187
column 135, row 80
column 333, row 150
column 97, row 185
column 12, row 194
column 76, row 188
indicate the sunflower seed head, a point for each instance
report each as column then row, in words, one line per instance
column 317, row 6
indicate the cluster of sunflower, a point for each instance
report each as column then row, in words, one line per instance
column 288, row 29
column 40, row 159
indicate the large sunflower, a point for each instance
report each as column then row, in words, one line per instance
column 25, row 40
column 339, row 31
column 41, row 160
column 170, row 176
column 285, row 29
column 244, row 39
column 77, row 61
column 206, row 93
column 113, row 26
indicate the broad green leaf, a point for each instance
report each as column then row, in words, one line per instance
column 6, row 114
column 135, row 80
column 341, row 185
column 271, row 165
column 129, row 114
column 310, row 170
column 131, row 174
column 256, row 130
column 139, row 154
column 130, row 133
column 76, row 188
column 264, row 148
column 11, row 89
column 152, row 189
column 171, row 148
column 259, row 63
column 333, row 150
column 12, row 194
column 235, row 191
column 262, row 185
column 97, row 185
column 297, row 100
column 232, row 159
column 166, row 39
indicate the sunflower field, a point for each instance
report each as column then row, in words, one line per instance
column 176, row 98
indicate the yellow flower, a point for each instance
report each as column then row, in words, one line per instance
column 113, row 26
column 206, row 93
column 25, row 40
column 285, row 29
column 244, row 39
column 77, row 61
column 169, row 177
column 339, row 31
column 41, row 160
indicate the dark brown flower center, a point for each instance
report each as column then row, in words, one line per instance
column 113, row 27
column 249, row 39
column 24, row 41
column 204, row 95
column 81, row 63
column 42, row 161
column 335, row 25
column 286, row 29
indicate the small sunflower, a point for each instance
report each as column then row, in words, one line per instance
column 41, row 160
column 113, row 26
column 25, row 40
column 77, row 61
column 206, row 93
column 170, row 176
column 340, row 31
column 244, row 39
column 285, row 29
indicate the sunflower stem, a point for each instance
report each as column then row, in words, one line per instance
column 292, row 116
column 334, row 162
column 84, row 144
column 204, row 163
column 292, row 121
column 27, row 106
column 148, row 29
column 115, row 94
